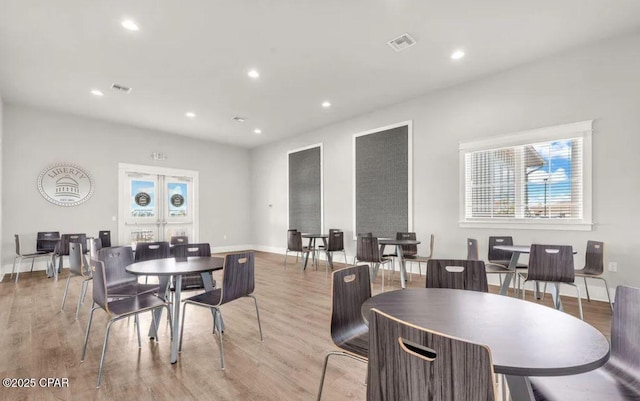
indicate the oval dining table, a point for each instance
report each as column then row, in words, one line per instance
column 525, row 338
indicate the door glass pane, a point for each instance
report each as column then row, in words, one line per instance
column 177, row 199
column 142, row 235
column 143, row 198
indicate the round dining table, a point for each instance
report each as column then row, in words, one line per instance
column 525, row 338
column 164, row 269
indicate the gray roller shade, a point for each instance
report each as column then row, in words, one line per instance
column 382, row 182
column 305, row 190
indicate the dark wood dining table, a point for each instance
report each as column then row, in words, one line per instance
column 164, row 269
column 525, row 338
column 398, row 244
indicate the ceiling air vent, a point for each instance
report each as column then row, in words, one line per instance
column 121, row 88
column 239, row 119
column 402, row 42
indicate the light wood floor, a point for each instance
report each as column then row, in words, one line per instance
column 38, row 340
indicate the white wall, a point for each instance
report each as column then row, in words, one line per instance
column 599, row 82
column 35, row 139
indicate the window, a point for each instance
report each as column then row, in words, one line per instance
column 541, row 178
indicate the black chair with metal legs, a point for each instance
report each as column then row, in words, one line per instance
column 410, row 252
column 552, row 264
column 105, row 238
column 191, row 281
column 294, row 244
column 118, row 309
column 121, row 283
column 491, row 268
column 77, row 269
column 368, row 251
column 619, row 378
column 21, row 256
column 503, row 258
column 594, row 267
column 238, row 281
column 350, row 288
column 336, row 244
column 407, row 362
column 179, row 240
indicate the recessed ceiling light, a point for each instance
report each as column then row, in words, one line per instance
column 253, row 74
column 130, row 25
column 96, row 92
column 457, row 55
column 257, row 131
column 326, row 104
column 190, row 114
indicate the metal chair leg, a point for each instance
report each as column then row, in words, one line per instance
column 284, row 264
column 82, row 290
column 220, row 337
column 255, row 300
column 64, row 296
column 137, row 324
column 13, row 269
column 184, row 308
column 33, row 260
column 155, row 323
column 586, row 287
column 324, row 368
column 18, row 269
column 86, row 337
column 104, row 352
column 606, row 287
column 579, row 301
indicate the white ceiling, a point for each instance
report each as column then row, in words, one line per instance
column 194, row 56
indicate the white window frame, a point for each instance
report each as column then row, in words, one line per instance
column 582, row 129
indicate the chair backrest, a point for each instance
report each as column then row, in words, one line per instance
column 75, row 259
column 179, row 239
column 45, row 241
column 105, row 237
column 336, row 241
column 186, row 250
column 457, row 274
column 238, row 276
column 100, row 293
column 152, row 250
column 95, row 244
column 551, row 263
column 294, row 241
column 350, row 288
column 594, row 258
column 407, row 362
column 367, row 249
column 498, row 254
column 115, row 260
column 472, row 249
column 408, row 250
column 17, row 239
column 625, row 336
column 66, row 239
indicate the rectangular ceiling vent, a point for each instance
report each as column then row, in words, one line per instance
column 402, row 42
column 239, row 119
column 121, row 88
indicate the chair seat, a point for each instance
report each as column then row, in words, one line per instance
column 36, row 254
column 582, row 273
column 505, row 263
column 491, row 268
column 135, row 304
column 416, row 258
column 602, row 384
column 207, row 299
column 132, row 289
column 357, row 343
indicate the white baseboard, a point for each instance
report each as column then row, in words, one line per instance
column 231, row 248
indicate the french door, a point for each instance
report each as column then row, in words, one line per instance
column 156, row 204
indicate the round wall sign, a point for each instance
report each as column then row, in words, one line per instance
column 177, row 200
column 142, row 199
column 65, row 185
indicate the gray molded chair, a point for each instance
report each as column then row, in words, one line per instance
column 117, row 309
column 368, row 251
column 63, row 247
column 121, row 283
column 238, row 281
column 294, row 244
column 350, row 288
column 76, row 269
column 152, row 251
column 179, row 240
column 457, row 274
column 335, row 243
column 552, row 264
column 491, row 268
column 191, row 281
column 105, row 238
column 503, row 258
column 95, row 244
column 619, row 378
column 594, row 267
column 410, row 252
column 21, row 256
column 407, row 362
column 46, row 241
